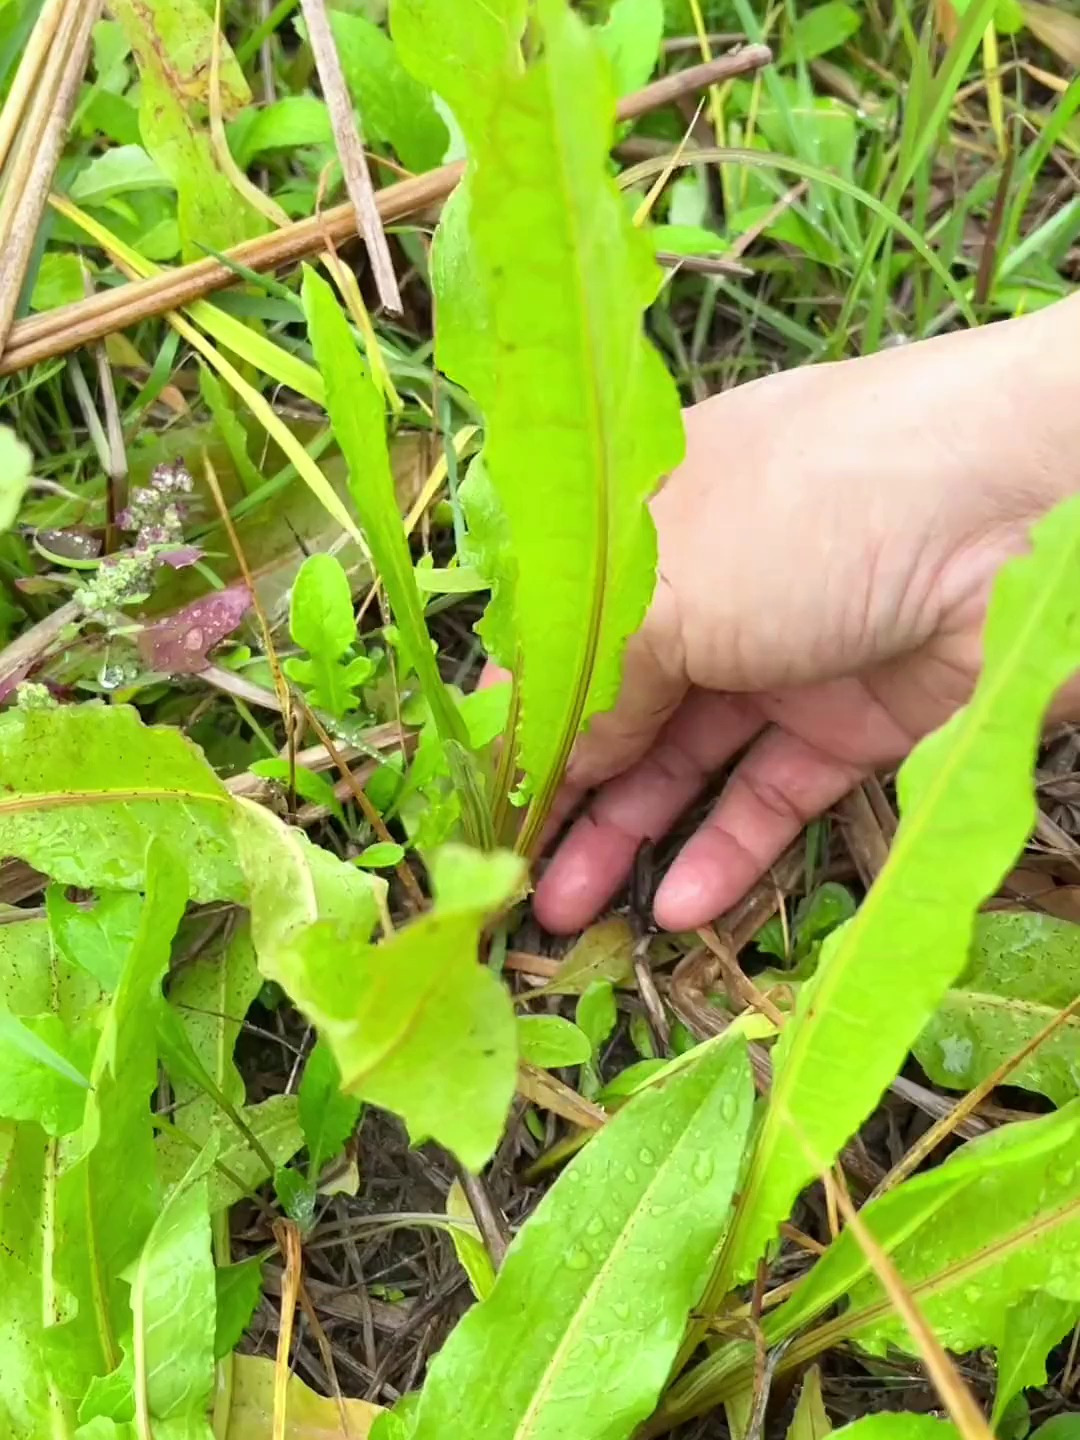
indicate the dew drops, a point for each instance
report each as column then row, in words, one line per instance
column 630, row 1175
column 111, row 677
column 661, row 1265
column 646, row 1156
column 595, row 1226
column 703, row 1168
column 576, row 1258
column 728, row 1107
column 621, row 1310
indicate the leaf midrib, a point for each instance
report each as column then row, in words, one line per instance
column 551, row 1372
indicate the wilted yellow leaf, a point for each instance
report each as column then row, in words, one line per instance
column 1058, row 30
column 310, row 1416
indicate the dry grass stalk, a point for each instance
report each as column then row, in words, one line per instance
column 955, row 1395
column 351, row 151
column 36, row 54
column 40, row 147
column 69, row 326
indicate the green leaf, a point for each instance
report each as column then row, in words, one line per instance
column 564, row 1345
column 468, row 1243
column 29, row 1406
column 284, row 124
column 558, row 261
column 550, row 1042
column 111, row 1396
column 209, row 999
column 488, row 549
column 883, row 974
column 172, row 41
column 239, row 1290
column 108, row 1194
column 1032, row 1328
column 229, row 426
column 380, row 856
column 115, row 172
column 393, row 105
column 34, row 981
column 1023, row 969
column 810, row 1421
column 631, row 40
column 322, row 622
column 15, row 468
column 276, row 1124
column 174, row 1304
column 41, row 1072
column 296, row 1196
column 133, row 781
column 1060, row 1427
column 482, row 36
column 1014, row 1228
column 997, row 1222
column 95, row 939
column 141, row 781
column 60, row 280
column 327, row 1117
column 687, row 240
column 819, row 30
column 898, row 1425
column 415, row 1024
column 596, row 1012
column 356, row 414
column 603, row 952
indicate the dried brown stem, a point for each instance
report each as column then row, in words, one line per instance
column 39, row 153
column 66, row 328
column 351, row 151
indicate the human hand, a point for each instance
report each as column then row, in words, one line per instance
column 826, row 555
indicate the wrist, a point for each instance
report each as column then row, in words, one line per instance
column 1041, row 388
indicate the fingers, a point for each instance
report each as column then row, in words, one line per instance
column 781, row 785
column 597, row 855
column 492, row 674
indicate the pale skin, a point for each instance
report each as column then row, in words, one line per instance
column 826, row 555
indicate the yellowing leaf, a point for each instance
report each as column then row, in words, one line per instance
column 15, row 462
column 1057, row 28
column 172, row 41
column 468, row 1243
column 810, row 1421
column 308, row 1416
column 603, row 952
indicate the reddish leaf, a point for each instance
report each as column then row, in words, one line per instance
column 179, row 644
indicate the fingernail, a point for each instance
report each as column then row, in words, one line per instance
column 681, row 902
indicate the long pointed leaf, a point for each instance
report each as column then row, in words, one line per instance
column 359, row 421
column 579, row 1331
column 884, row 973
column 582, row 420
